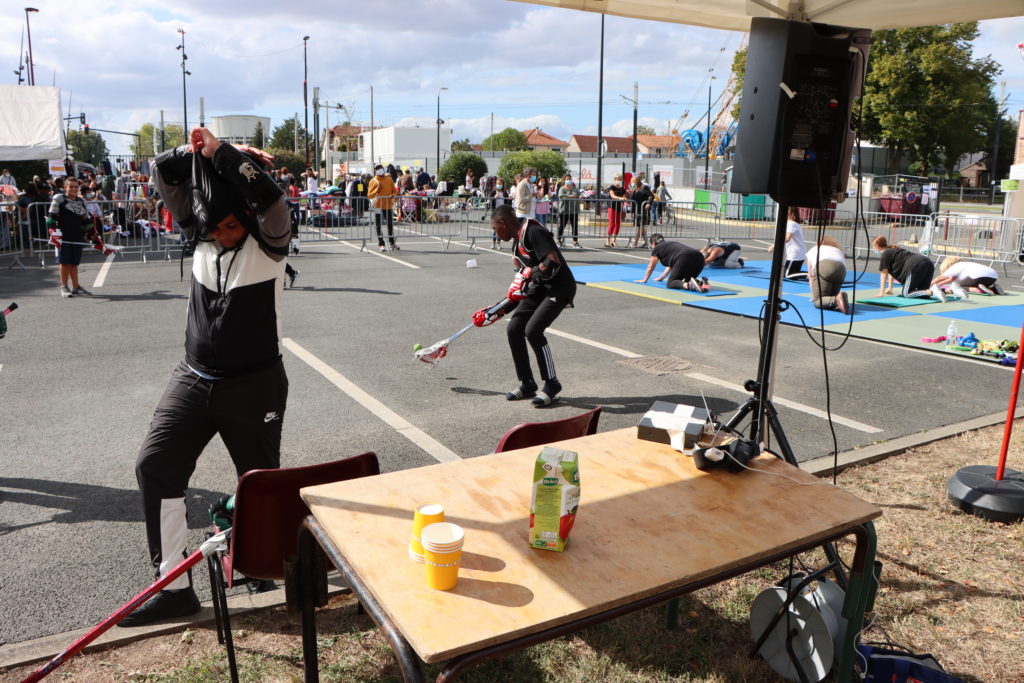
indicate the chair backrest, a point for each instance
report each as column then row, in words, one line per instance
column 268, row 512
column 536, row 433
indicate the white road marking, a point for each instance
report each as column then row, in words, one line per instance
column 596, row 344
column 101, row 276
column 368, row 251
column 853, row 424
column 420, row 438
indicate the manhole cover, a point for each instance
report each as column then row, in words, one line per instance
column 659, row 365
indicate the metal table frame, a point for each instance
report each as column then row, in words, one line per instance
column 307, row 581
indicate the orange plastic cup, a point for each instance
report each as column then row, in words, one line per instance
column 442, row 554
column 425, row 514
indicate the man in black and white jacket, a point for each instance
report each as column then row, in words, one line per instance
column 232, row 380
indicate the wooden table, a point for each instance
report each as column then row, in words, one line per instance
column 650, row 527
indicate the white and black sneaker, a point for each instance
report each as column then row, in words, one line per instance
column 81, row 291
column 547, row 395
column 66, row 293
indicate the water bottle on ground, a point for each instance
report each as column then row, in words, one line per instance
column 951, row 333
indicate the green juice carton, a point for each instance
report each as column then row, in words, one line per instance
column 555, row 498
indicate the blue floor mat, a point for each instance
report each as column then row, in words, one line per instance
column 1011, row 316
column 751, row 307
column 609, row 273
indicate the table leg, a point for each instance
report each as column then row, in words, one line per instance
column 306, row 581
column 858, row 595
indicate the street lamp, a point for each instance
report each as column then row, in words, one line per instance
column 707, row 138
column 31, row 65
column 305, row 101
column 439, row 122
column 184, row 91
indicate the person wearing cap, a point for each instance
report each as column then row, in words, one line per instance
column 232, row 380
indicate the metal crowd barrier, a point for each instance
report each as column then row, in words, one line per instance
column 980, row 238
column 686, row 220
column 13, row 233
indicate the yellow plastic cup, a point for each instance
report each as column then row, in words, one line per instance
column 442, row 554
column 425, row 514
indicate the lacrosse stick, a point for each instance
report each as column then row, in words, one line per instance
column 210, row 545
column 432, row 354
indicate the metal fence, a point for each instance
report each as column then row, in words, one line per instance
column 980, row 238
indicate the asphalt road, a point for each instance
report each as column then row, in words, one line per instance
column 79, row 379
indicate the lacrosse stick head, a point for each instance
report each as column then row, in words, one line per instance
column 432, row 354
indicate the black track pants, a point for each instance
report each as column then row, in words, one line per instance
column 247, row 411
column 685, row 267
column 532, row 316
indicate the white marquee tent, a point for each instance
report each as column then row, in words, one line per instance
column 31, row 125
column 735, row 15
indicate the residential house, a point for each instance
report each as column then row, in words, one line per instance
column 539, row 141
column 587, row 144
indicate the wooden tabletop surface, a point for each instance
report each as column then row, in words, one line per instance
column 648, row 521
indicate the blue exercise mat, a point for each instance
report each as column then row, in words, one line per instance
column 609, row 273
column 751, row 308
column 1011, row 316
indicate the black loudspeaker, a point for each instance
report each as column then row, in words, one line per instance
column 794, row 129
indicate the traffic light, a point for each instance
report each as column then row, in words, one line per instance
column 81, row 118
column 86, row 128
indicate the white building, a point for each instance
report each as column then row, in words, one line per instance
column 406, row 146
column 239, row 129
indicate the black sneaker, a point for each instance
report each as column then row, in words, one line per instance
column 291, row 277
column 525, row 390
column 547, row 395
column 255, row 586
column 167, row 604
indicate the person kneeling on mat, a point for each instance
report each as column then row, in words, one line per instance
column 961, row 276
column 682, row 265
column 826, row 269
column 542, row 287
column 722, row 255
column 896, row 264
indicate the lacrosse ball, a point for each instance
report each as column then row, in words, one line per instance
column 417, row 347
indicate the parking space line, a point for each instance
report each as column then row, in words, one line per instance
column 359, row 248
column 410, row 431
column 596, row 344
column 852, row 424
column 101, row 276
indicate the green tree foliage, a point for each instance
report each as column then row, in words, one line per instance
column 508, row 140
column 24, row 171
column 462, row 145
column 926, row 94
column 286, row 158
column 174, row 135
column 453, row 171
column 641, row 129
column 283, row 136
column 90, row 148
column 549, row 164
column 739, row 70
column 259, row 137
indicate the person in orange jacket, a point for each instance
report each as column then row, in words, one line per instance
column 382, row 196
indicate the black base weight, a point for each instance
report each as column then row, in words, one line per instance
column 976, row 490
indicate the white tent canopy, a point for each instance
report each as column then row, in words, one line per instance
column 735, row 15
column 30, row 123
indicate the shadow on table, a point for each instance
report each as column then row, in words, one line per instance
column 74, row 503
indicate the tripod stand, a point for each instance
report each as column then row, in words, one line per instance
column 765, row 419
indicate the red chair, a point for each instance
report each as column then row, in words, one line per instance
column 537, row 433
column 268, row 512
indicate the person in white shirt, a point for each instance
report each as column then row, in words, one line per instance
column 796, row 250
column 826, row 269
column 961, row 276
column 7, row 179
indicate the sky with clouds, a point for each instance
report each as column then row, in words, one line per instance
column 116, row 61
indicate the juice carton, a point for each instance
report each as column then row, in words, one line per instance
column 555, row 498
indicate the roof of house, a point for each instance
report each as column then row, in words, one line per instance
column 588, row 144
column 535, row 137
column 346, row 131
column 656, row 140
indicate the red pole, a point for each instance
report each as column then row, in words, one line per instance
column 1010, row 412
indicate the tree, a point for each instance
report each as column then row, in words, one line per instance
column 508, row 140
column 88, row 147
column 739, row 71
column 462, row 145
column 286, row 158
column 142, row 146
column 259, row 137
column 283, row 136
column 926, row 94
column 453, row 171
column 641, row 129
column 548, row 164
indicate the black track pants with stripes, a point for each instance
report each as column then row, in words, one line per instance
column 532, row 316
column 247, row 411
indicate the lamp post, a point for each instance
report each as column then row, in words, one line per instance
column 31, row 65
column 439, row 122
column 600, row 123
column 707, row 138
column 305, row 100
column 184, row 90
column 635, row 101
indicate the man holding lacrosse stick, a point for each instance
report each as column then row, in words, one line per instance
column 542, row 287
column 232, row 381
